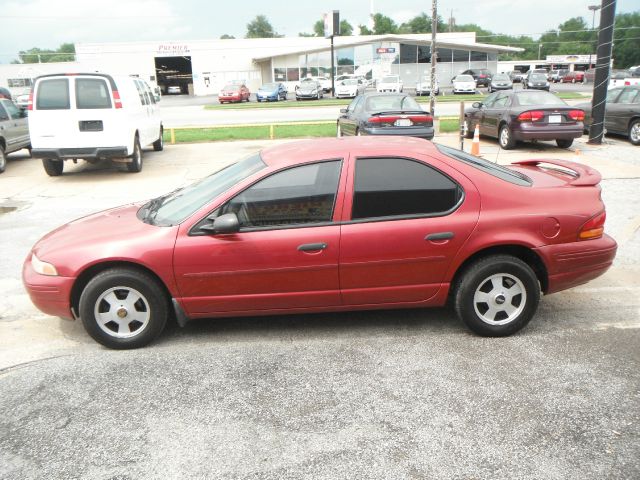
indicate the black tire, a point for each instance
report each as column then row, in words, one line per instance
column 131, row 301
column 135, row 165
column 634, row 132
column 564, row 143
column 505, row 138
column 3, row 159
column 497, row 296
column 158, row 145
column 53, row 168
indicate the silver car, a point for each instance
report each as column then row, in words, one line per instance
column 309, row 89
column 14, row 130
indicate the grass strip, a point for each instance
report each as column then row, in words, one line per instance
column 194, row 135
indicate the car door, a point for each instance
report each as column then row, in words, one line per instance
column 487, row 105
column 348, row 120
column 492, row 115
column 13, row 126
column 620, row 111
column 284, row 256
column 405, row 221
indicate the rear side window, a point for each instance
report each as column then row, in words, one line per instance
column 92, row 93
column 143, row 99
column 53, row 94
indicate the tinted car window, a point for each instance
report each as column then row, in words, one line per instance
column 387, row 187
column 381, row 103
column 13, row 111
column 296, row 196
column 92, row 93
column 538, row 98
column 3, row 113
column 628, row 96
column 53, row 94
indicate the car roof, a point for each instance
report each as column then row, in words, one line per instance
column 305, row 151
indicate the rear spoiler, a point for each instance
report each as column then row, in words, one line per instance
column 585, row 175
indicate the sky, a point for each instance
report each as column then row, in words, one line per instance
column 49, row 23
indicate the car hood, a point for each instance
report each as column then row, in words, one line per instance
column 114, row 234
column 267, row 92
column 307, row 88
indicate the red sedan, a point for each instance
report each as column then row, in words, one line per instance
column 331, row 225
column 573, row 77
column 234, row 93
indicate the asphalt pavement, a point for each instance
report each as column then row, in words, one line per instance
column 376, row 395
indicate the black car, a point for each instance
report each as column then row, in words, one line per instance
column 385, row 114
column 510, row 116
column 536, row 81
column 622, row 112
column 482, row 76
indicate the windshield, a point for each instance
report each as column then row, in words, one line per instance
column 230, row 87
column 538, row 77
column 538, row 98
column 464, row 78
column 390, row 79
column 501, row 77
column 269, row 86
column 177, row 206
column 351, row 81
column 386, row 103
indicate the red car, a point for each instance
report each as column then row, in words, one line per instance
column 331, row 225
column 234, row 93
column 573, row 77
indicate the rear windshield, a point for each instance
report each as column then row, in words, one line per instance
column 53, row 94
column 494, row 169
column 538, row 98
column 92, row 93
column 386, row 103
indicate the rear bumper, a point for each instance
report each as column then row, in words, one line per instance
column 88, row 153
column 420, row 132
column 527, row 131
column 572, row 264
column 51, row 295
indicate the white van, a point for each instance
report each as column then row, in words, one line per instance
column 92, row 116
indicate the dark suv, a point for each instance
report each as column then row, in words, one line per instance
column 482, row 76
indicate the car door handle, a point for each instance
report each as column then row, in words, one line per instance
column 311, row 247
column 439, row 236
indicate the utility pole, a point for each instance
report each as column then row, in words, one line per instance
column 593, row 8
column 603, row 64
column 434, row 55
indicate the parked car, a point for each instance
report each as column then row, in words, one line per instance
column 174, row 90
column 5, row 93
column 525, row 115
column 622, row 113
column 623, row 79
column 331, row 225
column 464, row 84
column 573, row 77
column 389, row 83
column 516, row 76
column 350, row 88
column 14, row 130
column 482, row 76
column 500, row 81
column 273, row 91
column 234, row 92
column 22, row 101
column 92, row 116
column 590, row 75
column 309, row 89
column 385, row 114
column 536, row 81
column 555, row 76
column 423, row 87
column 324, row 82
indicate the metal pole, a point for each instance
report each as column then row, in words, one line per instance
column 603, row 63
column 434, row 54
column 593, row 8
column 333, row 73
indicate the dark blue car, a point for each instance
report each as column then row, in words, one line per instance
column 272, row 92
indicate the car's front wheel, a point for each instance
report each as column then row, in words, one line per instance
column 497, row 295
column 634, row 132
column 123, row 308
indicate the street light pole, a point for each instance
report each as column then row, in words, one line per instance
column 594, row 9
column 539, row 48
column 434, row 55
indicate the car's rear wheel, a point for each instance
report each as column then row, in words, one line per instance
column 3, row 159
column 158, row 145
column 505, row 138
column 562, row 143
column 123, row 308
column 53, row 168
column 135, row 165
column 497, row 295
column 634, row 132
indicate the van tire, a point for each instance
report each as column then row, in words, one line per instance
column 3, row 159
column 135, row 165
column 53, row 167
column 158, row 145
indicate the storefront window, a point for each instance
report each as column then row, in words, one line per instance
column 424, row 54
column 478, row 56
column 460, row 55
column 280, row 74
column 444, row 55
column 293, row 74
column 408, row 53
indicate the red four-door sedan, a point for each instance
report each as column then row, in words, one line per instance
column 235, row 92
column 329, row 225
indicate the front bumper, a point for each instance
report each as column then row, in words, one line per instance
column 306, row 95
column 420, row 132
column 530, row 131
column 501, row 87
column 464, row 90
column 267, row 98
column 231, row 98
column 91, row 153
column 51, row 295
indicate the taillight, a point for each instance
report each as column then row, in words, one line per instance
column 593, row 228
column 627, row 83
column 577, row 115
column 482, row 76
column 30, row 102
column 116, row 99
column 531, row 116
column 391, row 119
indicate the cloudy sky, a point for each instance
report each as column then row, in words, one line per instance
column 48, row 23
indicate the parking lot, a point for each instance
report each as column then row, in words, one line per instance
column 391, row 394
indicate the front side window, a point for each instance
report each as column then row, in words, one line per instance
column 53, row 94
column 3, row 114
column 92, row 93
column 296, row 196
column 391, row 187
column 13, row 111
column 628, row 96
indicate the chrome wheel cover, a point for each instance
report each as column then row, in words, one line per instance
column 122, row 312
column 634, row 133
column 504, row 136
column 499, row 299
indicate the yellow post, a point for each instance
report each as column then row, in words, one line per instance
column 271, row 132
column 173, row 136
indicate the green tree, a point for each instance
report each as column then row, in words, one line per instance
column 626, row 49
column 64, row 53
column 422, row 24
column 260, row 27
column 318, row 28
column 226, row 37
column 383, row 24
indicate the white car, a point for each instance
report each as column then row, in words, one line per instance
column 350, row 88
column 389, row 83
column 324, row 82
column 22, row 101
column 423, row 87
column 174, row 90
column 92, row 116
column 464, row 84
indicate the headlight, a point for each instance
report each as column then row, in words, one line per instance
column 43, row 268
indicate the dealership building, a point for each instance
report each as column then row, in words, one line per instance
column 203, row 67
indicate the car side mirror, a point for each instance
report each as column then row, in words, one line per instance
column 343, row 110
column 227, row 223
column 476, row 104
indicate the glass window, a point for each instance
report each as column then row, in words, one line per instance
column 296, row 196
column 424, row 54
column 3, row 113
column 460, row 55
column 538, row 98
column 143, row 100
column 488, row 102
column 280, row 74
column 293, row 74
column 92, row 93
column 53, row 94
column 408, row 53
column 478, row 56
column 444, row 54
column 502, row 101
column 149, row 93
column 13, row 111
column 387, row 187
column 628, row 96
